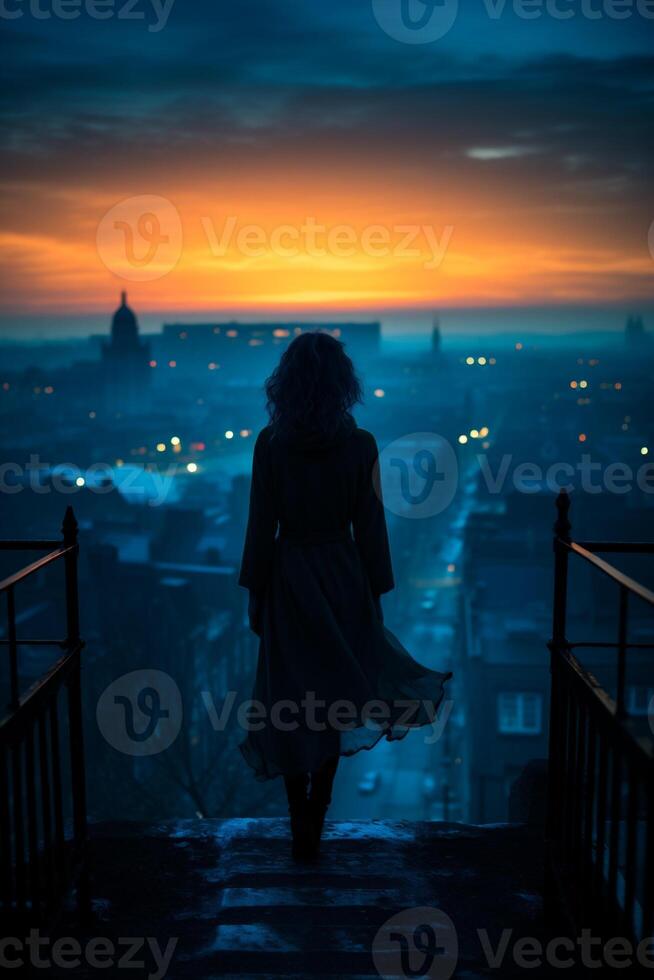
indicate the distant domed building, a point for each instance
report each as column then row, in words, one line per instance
column 126, row 364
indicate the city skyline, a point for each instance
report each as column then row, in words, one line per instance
column 412, row 327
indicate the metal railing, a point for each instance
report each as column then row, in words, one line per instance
column 41, row 783
column 600, row 823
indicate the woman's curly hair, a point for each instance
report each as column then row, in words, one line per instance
column 313, row 388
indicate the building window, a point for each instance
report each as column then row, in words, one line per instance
column 637, row 700
column 519, row 714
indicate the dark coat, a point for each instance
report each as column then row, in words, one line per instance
column 316, row 556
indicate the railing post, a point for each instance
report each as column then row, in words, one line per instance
column 556, row 777
column 562, row 529
column 76, row 731
column 69, row 531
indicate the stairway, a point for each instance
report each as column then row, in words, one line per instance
column 239, row 907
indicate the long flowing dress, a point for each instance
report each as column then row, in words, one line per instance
column 331, row 678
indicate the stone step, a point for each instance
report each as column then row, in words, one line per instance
column 230, row 893
column 295, row 897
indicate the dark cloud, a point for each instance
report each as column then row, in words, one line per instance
column 291, row 86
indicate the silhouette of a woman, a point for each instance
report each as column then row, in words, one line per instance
column 331, row 677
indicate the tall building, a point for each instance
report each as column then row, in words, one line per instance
column 436, row 338
column 126, row 364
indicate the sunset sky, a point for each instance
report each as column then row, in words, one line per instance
column 525, row 147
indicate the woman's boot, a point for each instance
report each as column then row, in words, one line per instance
column 298, row 808
column 320, row 797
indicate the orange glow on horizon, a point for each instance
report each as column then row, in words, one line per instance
column 481, row 250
